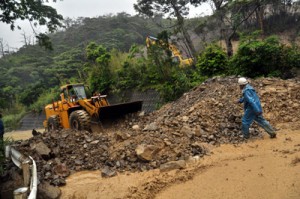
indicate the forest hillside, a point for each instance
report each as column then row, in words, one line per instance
column 108, row 53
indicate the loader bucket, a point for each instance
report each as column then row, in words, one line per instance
column 119, row 110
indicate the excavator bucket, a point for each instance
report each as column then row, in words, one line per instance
column 119, row 110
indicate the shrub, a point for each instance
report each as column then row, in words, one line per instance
column 212, row 61
column 262, row 58
column 177, row 84
column 292, row 56
column 127, row 76
column 45, row 98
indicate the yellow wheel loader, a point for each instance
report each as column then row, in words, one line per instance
column 74, row 110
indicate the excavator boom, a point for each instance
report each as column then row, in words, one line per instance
column 176, row 54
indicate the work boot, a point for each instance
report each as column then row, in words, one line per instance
column 272, row 136
column 246, row 137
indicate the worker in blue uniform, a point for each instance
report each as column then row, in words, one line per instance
column 252, row 110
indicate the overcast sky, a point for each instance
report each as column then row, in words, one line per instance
column 79, row 8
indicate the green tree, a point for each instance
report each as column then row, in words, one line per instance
column 233, row 16
column 31, row 93
column 212, row 61
column 100, row 74
column 266, row 57
column 178, row 83
column 170, row 8
column 160, row 58
column 33, row 11
column 133, row 72
column 127, row 76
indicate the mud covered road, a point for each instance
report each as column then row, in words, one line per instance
column 264, row 168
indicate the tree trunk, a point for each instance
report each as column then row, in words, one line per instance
column 229, row 46
column 190, row 44
column 2, row 53
column 186, row 35
column 260, row 17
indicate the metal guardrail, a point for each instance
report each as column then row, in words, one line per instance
column 28, row 166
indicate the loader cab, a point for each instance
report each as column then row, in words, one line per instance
column 73, row 92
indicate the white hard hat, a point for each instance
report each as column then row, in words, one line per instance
column 242, row 81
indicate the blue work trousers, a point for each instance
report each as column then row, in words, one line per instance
column 248, row 118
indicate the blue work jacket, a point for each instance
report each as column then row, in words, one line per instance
column 251, row 100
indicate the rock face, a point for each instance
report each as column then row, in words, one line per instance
column 208, row 115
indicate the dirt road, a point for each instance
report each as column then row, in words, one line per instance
column 20, row 135
column 266, row 169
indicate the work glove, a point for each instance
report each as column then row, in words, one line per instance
column 239, row 101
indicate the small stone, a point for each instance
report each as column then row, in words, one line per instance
column 78, row 162
column 180, row 164
column 136, row 127
column 146, row 152
column 107, row 172
column 142, row 113
column 42, row 149
column 95, row 142
column 45, row 190
column 185, row 118
column 151, row 127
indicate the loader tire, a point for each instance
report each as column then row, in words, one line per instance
column 53, row 123
column 80, row 120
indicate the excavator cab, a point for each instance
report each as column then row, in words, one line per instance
column 176, row 59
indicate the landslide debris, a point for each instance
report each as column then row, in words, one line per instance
column 207, row 115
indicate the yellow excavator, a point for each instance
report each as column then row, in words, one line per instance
column 74, row 110
column 176, row 55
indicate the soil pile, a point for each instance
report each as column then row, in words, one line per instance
column 207, row 115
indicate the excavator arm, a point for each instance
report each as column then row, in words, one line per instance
column 176, row 54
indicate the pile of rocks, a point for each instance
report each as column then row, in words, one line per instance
column 207, row 115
